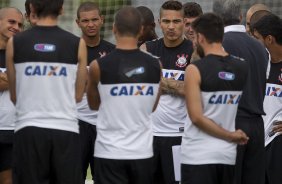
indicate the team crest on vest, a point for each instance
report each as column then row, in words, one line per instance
column 102, row 54
column 182, row 60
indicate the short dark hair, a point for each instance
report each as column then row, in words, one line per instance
column 87, row 6
column 192, row 9
column 27, row 7
column 128, row 21
column 147, row 15
column 228, row 10
column 172, row 5
column 44, row 8
column 211, row 26
column 270, row 25
column 256, row 17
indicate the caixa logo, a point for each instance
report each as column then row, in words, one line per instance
column 224, row 99
column 133, row 90
column 176, row 75
column 273, row 91
column 43, row 47
column 45, row 71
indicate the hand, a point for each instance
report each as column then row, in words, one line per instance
column 239, row 137
column 3, row 77
column 277, row 127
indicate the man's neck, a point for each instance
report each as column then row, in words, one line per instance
column 276, row 54
column 169, row 43
column 3, row 42
column 92, row 41
column 215, row 49
column 126, row 43
column 47, row 21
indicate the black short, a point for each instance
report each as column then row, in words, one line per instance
column 87, row 136
column 6, row 149
column 207, row 174
column 274, row 161
column 110, row 171
column 163, row 168
column 46, row 156
column 250, row 160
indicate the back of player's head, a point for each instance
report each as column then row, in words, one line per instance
column 228, row 10
column 257, row 16
column 270, row 25
column 192, row 9
column 44, row 8
column 211, row 26
column 87, row 6
column 128, row 21
column 172, row 5
column 147, row 15
column 27, row 7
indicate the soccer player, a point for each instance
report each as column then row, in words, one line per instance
column 90, row 21
column 170, row 116
column 213, row 87
column 192, row 10
column 11, row 23
column 149, row 25
column 268, row 30
column 253, row 9
column 46, row 69
column 123, row 85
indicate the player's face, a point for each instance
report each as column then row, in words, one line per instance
column 188, row 31
column 90, row 23
column 260, row 38
column 172, row 24
column 11, row 24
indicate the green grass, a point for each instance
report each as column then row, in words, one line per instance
column 89, row 176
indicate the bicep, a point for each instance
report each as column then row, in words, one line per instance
column 193, row 92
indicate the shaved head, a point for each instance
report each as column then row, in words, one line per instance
column 253, row 9
column 5, row 11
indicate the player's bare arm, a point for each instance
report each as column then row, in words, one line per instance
column 11, row 72
column 93, row 95
column 195, row 110
column 81, row 75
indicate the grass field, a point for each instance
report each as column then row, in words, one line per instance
column 89, row 177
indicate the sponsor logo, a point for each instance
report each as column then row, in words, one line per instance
column 224, row 99
column 136, row 71
column 133, row 90
column 43, row 47
column 45, row 71
column 226, row 75
column 176, row 75
column 273, row 91
column 182, row 60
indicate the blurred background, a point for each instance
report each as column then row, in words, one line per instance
column 109, row 7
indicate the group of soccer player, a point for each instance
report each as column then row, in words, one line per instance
column 201, row 104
